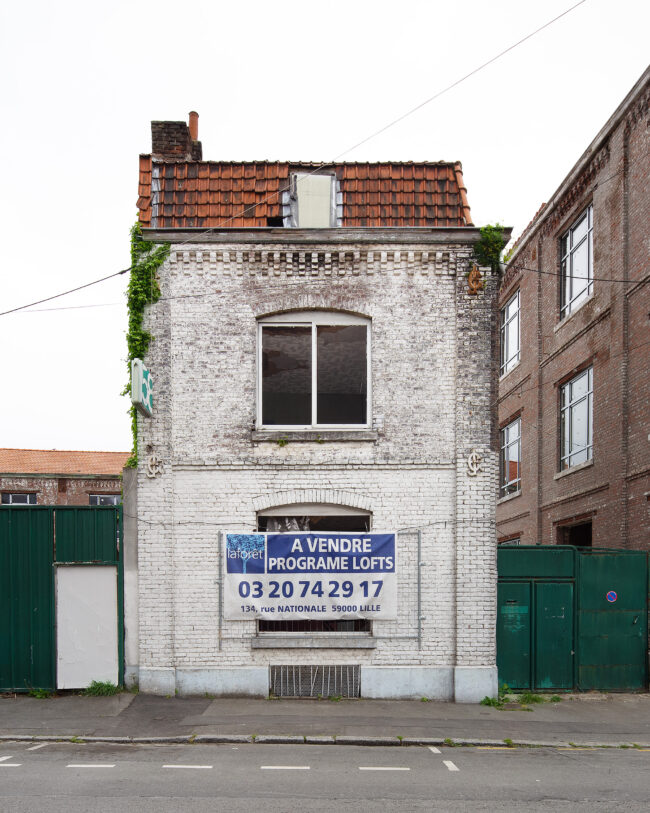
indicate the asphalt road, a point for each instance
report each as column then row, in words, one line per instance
column 96, row 778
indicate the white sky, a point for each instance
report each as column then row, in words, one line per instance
column 81, row 81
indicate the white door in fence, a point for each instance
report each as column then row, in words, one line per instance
column 86, row 625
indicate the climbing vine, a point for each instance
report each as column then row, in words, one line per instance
column 142, row 290
column 487, row 251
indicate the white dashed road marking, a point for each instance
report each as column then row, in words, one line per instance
column 4, row 759
column 434, row 750
column 191, row 767
column 384, row 769
column 450, row 765
column 36, row 747
column 284, row 767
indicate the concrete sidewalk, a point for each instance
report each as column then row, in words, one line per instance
column 591, row 719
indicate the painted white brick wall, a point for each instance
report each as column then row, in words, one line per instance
column 431, row 397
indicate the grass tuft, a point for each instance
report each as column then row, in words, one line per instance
column 101, row 688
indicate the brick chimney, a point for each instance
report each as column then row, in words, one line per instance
column 174, row 140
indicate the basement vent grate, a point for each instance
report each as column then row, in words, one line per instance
column 314, row 681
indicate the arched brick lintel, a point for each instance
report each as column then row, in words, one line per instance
column 285, row 302
column 349, row 499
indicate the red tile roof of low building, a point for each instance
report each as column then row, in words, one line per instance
column 55, row 461
column 184, row 194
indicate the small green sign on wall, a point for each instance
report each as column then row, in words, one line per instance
column 141, row 388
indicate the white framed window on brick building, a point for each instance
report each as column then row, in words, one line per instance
column 576, row 420
column 510, row 334
column 104, row 499
column 510, row 460
column 313, row 371
column 18, row 498
column 576, row 252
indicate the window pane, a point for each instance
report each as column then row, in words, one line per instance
column 579, row 231
column 579, row 426
column 342, row 366
column 6, row 499
column 104, row 499
column 579, row 385
column 513, row 340
column 286, row 376
column 565, row 436
column 580, row 268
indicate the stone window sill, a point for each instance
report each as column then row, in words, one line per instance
column 312, row 642
column 509, row 497
column 312, row 436
column 578, row 467
column 511, row 370
column 566, row 319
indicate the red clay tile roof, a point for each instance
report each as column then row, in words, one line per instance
column 43, row 461
column 209, row 194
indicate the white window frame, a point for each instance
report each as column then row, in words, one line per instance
column 314, row 319
column 12, row 494
column 505, row 483
column 567, row 404
column 510, row 359
column 117, row 498
column 568, row 248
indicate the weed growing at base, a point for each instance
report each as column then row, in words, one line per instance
column 101, row 688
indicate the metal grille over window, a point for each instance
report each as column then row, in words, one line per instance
column 314, row 681
column 510, row 335
column 577, row 420
column 577, row 263
column 510, row 474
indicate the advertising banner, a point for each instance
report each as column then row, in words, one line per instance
column 310, row 575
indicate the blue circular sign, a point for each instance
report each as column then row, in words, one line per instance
column 611, row 596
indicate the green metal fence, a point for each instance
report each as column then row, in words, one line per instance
column 34, row 540
column 571, row 618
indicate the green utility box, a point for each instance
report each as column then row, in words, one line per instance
column 571, row 618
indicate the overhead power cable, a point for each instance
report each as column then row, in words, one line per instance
column 195, row 237
column 65, row 293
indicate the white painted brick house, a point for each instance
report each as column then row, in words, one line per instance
column 364, row 267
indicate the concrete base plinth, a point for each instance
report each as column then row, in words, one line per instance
column 473, row 683
column 407, row 682
column 249, row 681
column 157, row 679
column 131, row 676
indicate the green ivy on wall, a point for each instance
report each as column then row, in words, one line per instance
column 143, row 289
column 487, row 252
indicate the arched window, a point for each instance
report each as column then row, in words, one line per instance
column 314, row 371
column 314, row 517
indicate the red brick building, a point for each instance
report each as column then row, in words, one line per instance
column 574, row 391
column 53, row 477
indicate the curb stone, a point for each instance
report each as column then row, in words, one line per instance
column 279, row 739
column 272, row 739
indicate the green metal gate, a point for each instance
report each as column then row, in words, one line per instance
column 572, row 619
column 613, row 620
column 535, row 617
column 33, row 541
column 26, row 599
